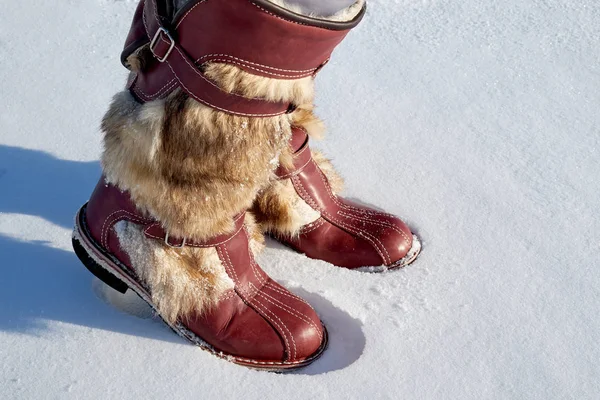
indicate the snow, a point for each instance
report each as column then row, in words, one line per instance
column 477, row 121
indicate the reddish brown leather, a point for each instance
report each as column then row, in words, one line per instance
column 347, row 234
column 255, row 35
column 156, row 231
column 137, row 34
column 258, row 320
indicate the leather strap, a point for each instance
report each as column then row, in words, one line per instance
column 169, row 52
column 156, row 231
column 302, row 157
column 254, row 35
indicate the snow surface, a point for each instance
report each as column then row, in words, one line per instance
column 476, row 120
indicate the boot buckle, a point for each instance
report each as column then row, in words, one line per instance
column 181, row 246
column 155, row 41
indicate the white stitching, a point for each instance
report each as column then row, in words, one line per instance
column 251, row 299
column 171, row 84
column 312, row 227
column 261, row 70
column 265, row 308
column 104, row 233
column 253, row 63
column 219, row 108
column 277, row 16
column 195, row 69
column 193, row 244
column 336, row 201
column 378, row 223
column 299, row 186
column 187, row 13
column 272, row 286
column 295, row 172
column 368, row 236
column 303, row 317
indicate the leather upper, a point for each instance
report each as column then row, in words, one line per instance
column 257, row 320
column 347, row 234
column 254, row 35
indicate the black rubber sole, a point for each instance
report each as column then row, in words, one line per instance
column 97, row 270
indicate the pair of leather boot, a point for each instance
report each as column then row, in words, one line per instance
column 205, row 151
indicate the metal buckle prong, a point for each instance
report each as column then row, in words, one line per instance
column 174, row 247
column 155, row 40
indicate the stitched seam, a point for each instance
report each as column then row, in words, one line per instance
column 186, row 88
column 171, row 84
column 188, row 13
column 305, row 196
column 266, row 309
column 260, row 70
column 223, row 253
column 378, row 223
column 256, row 64
column 300, row 188
column 296, row 172
column 252, row 299
column 230, row 294
column 365, row 235
column 288, row 20
column 219, row 108
column 228, row 266
column 312, row 227
column 360, row 232
column 368, row 212
column 194, row 244
column 301, row 316
column 195, row 69
column 104, row 233
column 254, row 266
column 272, row 286
column 156, row 12
column 277, row 16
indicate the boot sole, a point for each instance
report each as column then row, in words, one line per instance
column 116, row 275
column 407, row 260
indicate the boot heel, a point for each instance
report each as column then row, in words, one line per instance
column 97, row 270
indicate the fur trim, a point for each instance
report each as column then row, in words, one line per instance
column 347, row 14
column 138, row 60
column 182, row 282
column 281, row 211
column 305, row 117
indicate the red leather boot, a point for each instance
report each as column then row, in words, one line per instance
column 237, row 311
column 304, row 211
column 207, row 116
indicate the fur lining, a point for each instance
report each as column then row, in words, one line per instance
column 347, row 14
